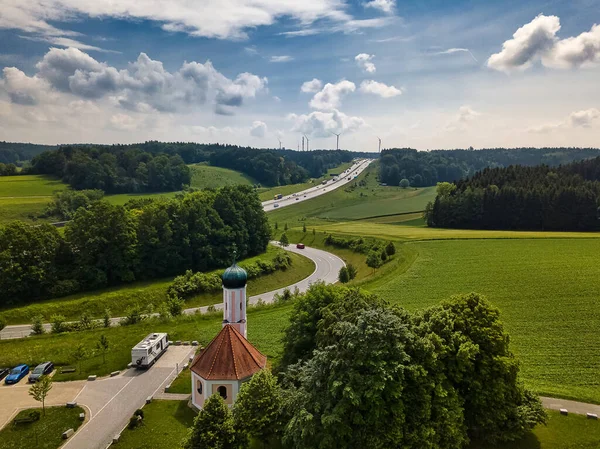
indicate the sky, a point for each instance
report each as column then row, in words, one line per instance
column 425, row 74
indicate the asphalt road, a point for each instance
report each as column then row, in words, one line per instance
column 313, row 192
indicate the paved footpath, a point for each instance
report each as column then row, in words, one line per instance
column 579, row 408
column 112, row 401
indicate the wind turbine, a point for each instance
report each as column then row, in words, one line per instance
column 379, row 144
column 302, row 143
column 279, row 143
column 337, row 144
column 307, row 143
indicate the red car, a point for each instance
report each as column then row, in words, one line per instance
column 300, row 246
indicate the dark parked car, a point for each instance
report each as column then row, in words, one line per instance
column 16, row 374
column 4, row 372
column 43, row 369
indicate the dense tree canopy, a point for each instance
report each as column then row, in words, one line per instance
column 426, row 168
column 13, row 153
column 362, row 374
column 106, row 244
column 563, row 198
column 113, row 170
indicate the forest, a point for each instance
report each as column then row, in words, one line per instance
column 113, row 170
column 106, row 245
column 544, row 198
column 427, row 168
column 16, row 153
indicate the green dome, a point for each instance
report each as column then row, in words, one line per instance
column 234, row 277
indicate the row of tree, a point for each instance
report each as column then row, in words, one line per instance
column 357, row 373
column 427, row 168
column 106, row 244
column 564, row 198
column 8, row 169
column 113, row 170
column 16, row 153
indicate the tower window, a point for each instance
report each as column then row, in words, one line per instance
column 222, row 391
column 199, row 387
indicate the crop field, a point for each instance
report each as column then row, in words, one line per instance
column 546, row 289
column 355, row 202
column 150, row 293
column 25, row 197
column 268, row 193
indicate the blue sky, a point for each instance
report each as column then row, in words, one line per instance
column 425, row 74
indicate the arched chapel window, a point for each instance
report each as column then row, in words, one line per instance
column 222, row 391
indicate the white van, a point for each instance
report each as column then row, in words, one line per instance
column 147, row 351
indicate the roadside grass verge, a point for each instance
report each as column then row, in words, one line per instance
column 165, row 425
column 43, row 434
column 265, row 327
column 150, row 294
column 561, row 432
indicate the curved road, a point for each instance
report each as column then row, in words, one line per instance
column 327, row 267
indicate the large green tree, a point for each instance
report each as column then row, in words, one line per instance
column 28, row 260
column 213, row 428
column 103, row 238
column 472, row 349
column 258, row 407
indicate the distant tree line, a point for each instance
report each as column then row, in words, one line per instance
column 563, row 198
column 8, row 169
column 107, row 245
column 113, row 170
column 16, row 153
column 427, row 168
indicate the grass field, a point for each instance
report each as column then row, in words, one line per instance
column 182, row 383
column 355, row 202
column 268, row 193
column 151, row 293
column 547, row 291
column 265, row 325
column 25, row 197
column 43, row 434
column 165, row 425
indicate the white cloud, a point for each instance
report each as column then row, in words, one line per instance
column 537, row 40
column 283, row 58
column 451, row 51
column 364, row 62
column 67, row 42
column 331, row 95
column 387, row 6
column 123, row 122
column 347, row 27
column 144, row 86
column 258, row 129
column 214, row 19
column 465, row 116
column 579, row 119
column 22, row 89
column 381, row 89
column 322, row 124
column 312, row 86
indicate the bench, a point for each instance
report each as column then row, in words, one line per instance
column 67, row 369
column 26, row 420
column 68, row 434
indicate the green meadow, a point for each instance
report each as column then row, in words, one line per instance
column 25, row 197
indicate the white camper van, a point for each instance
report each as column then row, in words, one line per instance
column 147, row 351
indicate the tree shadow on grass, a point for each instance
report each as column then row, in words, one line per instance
column 185, row 414
column 530, row 441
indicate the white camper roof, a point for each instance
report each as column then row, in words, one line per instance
column 149, row 341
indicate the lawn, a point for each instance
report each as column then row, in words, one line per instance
column 43, row 434
column 151, row 294
column 266, row 194
column 265, row 325
column 182, row 383
column 546, row 289
column 355, row 201
column 561, row 432
column 165, row 425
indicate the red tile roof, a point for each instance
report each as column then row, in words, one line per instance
column 228, row 357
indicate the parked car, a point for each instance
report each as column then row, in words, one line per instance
column 300, row 246
column 43, row 369
column 16, row 374
column 4, row 372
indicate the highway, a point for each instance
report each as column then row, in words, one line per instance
column 318, row 190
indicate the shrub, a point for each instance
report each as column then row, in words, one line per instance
column 64, row 288
column 58, row 324
column 35, row 415
column 132, row 316
column 351, row 271
column 343, row 275
column 139, row 412
column 175, row 305
column 390, row 249
column 37, row 326
column 2, row 323
column 134, row 422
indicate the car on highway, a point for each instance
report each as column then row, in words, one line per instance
column 43, row 369
column 16, row 374
column 300, row 246
column 298, row 198
column 4, row 372
column 275, row 205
